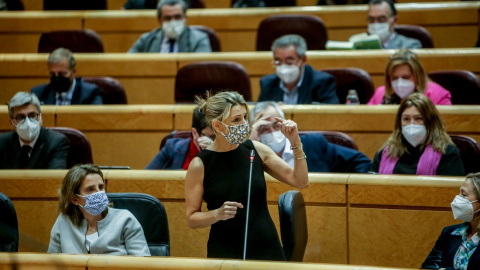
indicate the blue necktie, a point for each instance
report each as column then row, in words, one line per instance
column 171, row 43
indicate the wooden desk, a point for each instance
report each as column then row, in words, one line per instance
column 351, row 217
column 150, row 78
column 452, row 24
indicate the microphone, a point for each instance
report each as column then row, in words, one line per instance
column 252, row 157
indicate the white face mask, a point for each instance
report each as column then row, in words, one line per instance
column 381, row 29
column 288, row 73
column 275, row 140
column 28, row 129
column 403, row 88
column 414, row 134
column 174, row 28
column 462, row 209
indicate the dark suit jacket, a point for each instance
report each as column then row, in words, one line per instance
column 172, row 156
column 84, row 93
column 50, row 151
column 444, row 251
column 317, row 86
column 323, row 156
column 191, row 40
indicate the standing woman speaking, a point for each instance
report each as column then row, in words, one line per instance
column 219, row 175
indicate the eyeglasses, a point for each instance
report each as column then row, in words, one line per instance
column 175, row 17
column 21, row 117
column 381, row 19
column 289, row 62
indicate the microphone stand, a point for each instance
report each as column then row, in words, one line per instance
column 252, row 156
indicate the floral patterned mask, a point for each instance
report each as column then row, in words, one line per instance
column 237, row 134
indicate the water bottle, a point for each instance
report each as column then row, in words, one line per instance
column 352, row 97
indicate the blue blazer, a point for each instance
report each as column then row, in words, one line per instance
column 172, row 156
column 50, row 151
column 316, row 86
column 84, row 93
column 323, row 156
column 443, row 252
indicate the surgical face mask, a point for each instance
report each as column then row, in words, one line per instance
column 275, row 140
column 414, row 134
column 237, row 134
column 28, row 129
column 403, row 88
column 288, row 73
column 174, row 28
column 60, row 84
column 463, row 209
column 95, row 203
column 381, row 29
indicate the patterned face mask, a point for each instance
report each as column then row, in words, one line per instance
column 95, row 203
column 237, row 134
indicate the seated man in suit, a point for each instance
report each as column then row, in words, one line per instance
column 382, row 17
column 31, row 146
column 173, row 36
column 322, row 155
column 64, row 88
column 178, row 152
column 296, row 82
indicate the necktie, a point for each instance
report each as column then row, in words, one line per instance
column 171, row 43
column 24, row 158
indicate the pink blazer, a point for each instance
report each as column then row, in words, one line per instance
column 437, row 94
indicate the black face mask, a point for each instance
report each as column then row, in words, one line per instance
column 60, row 84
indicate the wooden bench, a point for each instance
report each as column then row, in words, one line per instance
column 452, row 24
column 351, row 217
column 150, row 78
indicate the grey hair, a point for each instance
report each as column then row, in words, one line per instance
column 61, row 54
column 170, row 3
column 22, row 99
column 262, row 106
column 393, row 10
column 288, row 40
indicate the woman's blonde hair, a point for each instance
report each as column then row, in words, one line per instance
column 475, row 177
column 70, row 186
column 409, row 58
column 436, row 134
column 218, row 106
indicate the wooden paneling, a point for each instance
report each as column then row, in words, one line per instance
column 453, row 24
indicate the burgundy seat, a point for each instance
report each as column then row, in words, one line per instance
column 212, row 36
column 310, row 27
column 352, row 78
column 80, row 151
column 77, row 41
column 275, row 3
column 74, row 4
column 469, row 151
column 462, row 84
column 335, row 137
column 416, row 32
column 113, row 91
column 196, row 78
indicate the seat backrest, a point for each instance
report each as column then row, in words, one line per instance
column 464, row 86
column 469, row 151
column 274, row 3
column 310, row 27
column 197, row 4
column 293, row 225
column 196, row 78
column 335, row 137
column 151, row 214
column 175, row 134
column 416, row 32
column 77, row 41
column 80, row 151
column 352, row 78
column 113, row 91
column 8, row 225
column 74, row 4
column 212, row 36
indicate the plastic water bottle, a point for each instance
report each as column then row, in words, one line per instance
column 352, row 97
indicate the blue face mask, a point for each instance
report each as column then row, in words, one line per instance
column 95, row 203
